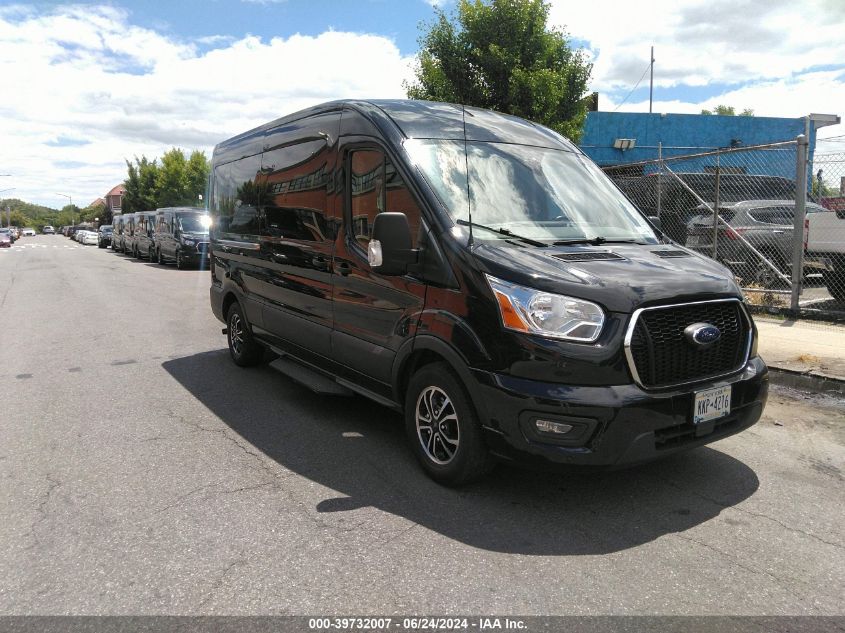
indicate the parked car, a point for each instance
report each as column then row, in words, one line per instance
column 767, row 226
column 5, row 238
column 8, row 231
column 824, row 244
column 142, row 243
column 181, row 236
column 16, row 232
column 89, row 238
column 48, row 230
column 28, row 232
column 104, row 235
column 546, row 323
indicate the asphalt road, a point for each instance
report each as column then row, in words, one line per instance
column 142, row 472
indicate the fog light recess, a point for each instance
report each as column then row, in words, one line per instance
column 547, row 426
column 563, row 430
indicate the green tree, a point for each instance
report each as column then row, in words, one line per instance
column 197, row 176
column 500, row 54
column 172, row 179
column 141, row 185
column 728, row 111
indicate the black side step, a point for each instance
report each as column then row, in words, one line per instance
column 307, row 377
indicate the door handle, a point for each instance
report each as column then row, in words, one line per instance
column 320, row 263
column 343, row 268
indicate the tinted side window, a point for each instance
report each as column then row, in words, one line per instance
column 293, row 184
column 376, row 186
column 774, row 215
column 235, row 199
column 366, row 168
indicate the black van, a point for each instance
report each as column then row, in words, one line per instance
column 127, row 234
column 181, row 236
column 142, row 244
column 478, row 273
column 117, row 233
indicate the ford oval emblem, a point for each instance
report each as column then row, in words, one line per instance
column 702, row 334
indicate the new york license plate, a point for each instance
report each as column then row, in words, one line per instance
column 711, row 404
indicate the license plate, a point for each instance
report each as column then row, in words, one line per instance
column 711, row 404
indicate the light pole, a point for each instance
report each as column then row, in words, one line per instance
column 8, row 208
column 70, row 202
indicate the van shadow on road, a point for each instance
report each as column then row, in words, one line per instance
column 358, row 448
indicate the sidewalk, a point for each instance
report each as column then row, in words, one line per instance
column 804, row 349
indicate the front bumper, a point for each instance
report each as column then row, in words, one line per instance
column 622, row 425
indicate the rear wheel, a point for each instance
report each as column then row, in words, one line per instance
column 243, row 348
column 443, row 428
column 180, row 263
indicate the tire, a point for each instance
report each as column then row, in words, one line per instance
column 834, row 281
column 150, row 257
column 766, row 277
column 243, row 348
column 159, row 258
column 136, row 252
column 453, row 454
column 180, row 263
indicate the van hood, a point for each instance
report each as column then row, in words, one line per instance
column 628, row 277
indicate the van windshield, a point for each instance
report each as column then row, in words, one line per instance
column 536, row 192
column 193, row 223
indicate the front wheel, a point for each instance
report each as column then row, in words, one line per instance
column 180, row 263
column 443, row 428
column 243, row 348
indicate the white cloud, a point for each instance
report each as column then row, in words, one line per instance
column 700, row 42
column 89, row 74
column 778, row 57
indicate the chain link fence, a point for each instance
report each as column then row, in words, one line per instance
column 775, row 219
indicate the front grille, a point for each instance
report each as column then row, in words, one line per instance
column 662, row 356
column 675, row 436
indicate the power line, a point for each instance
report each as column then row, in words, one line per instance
column 634, row 88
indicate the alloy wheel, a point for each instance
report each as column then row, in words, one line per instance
column 437, row 425
column 236, row 333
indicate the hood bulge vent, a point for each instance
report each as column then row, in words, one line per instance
column 587, row 256
column 671, row 253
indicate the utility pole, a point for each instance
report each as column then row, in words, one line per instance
column 72, row 214
column 651, row 82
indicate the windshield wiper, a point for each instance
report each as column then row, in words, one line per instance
column 596, row 241
column 500, row 231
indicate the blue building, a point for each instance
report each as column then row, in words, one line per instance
column 618, row 138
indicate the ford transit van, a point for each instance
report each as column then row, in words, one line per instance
column 479, row 274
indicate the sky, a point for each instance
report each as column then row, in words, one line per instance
column 87, row 86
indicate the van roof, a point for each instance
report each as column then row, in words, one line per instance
column 182, row 210
column 426, row 119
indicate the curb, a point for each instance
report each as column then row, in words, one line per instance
column 806, row 381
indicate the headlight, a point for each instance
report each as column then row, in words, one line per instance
column 188, row 242
column 537, row 312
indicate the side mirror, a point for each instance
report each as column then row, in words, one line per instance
column 655, row 220
column 389, row 252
